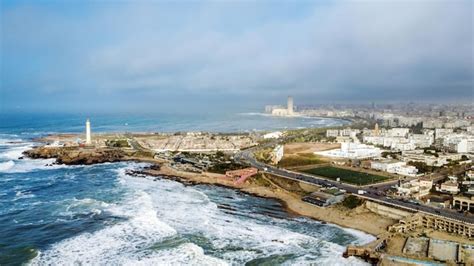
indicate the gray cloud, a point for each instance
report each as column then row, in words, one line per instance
column 343, row 50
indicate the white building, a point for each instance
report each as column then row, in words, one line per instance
column 414, row 189
column 273, row 135
column 395, row 167
column 346, row 132
column 402, row 146
column 460, row 143
column 465, row 145
column 450, row 186
column 442, row 132
column 288, row 111
column 394, row 143
column 352, row 150
column 398, row 132
column 332, row 133
column 429, row 159
column 277, row 154
column 432, row 123
column 421, row 140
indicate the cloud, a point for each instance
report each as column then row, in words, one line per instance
column 333, row 51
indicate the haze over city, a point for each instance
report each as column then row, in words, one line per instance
column 152, row 55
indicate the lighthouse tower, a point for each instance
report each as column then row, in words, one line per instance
column 88, row 132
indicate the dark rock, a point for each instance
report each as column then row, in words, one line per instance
column 77, row 155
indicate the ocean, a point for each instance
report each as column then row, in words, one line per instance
column 99, row 215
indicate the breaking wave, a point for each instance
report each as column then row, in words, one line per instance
column 169, row 223
column 6, row 165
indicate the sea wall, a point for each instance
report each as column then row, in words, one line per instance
column 386, row 211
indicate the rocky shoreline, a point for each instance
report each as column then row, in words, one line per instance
column 78, row 156
column 291, row 201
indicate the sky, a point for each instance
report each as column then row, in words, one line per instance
column 215, row 55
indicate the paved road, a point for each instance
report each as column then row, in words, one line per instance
column 375, row 193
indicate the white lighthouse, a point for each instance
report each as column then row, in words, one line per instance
column 88, row 132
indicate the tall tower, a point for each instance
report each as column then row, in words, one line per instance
column 290, row 105
column 88, row 132
column 376, row 130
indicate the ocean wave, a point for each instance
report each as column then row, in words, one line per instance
column 156, row 211
column 4, row 166
column 29, row 165
column 185, row 254
column 83, row 206
column 122, row 243
column 361, row 237
column 15, row 153
column 23, row 195
column 10, row 142
column 191, row 212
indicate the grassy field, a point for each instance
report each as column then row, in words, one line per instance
column 347, row 176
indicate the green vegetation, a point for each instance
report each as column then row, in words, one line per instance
column 332, row 191
column 432, row 152
column 144, row 154
column 423, row 167
column 300, row 160
column 306, row 135
column 260, row 180
column 394, row 155
column 287, row 184
column 352, row 202
column 417, row 129
column 117, row 143
column 347, row 176
column 264, row 155
column 222, row 167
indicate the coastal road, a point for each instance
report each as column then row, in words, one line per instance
column 373, row 193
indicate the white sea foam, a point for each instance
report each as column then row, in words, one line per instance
column 86, row 205
column 362, row 238
column 190, row 211
column 15, row 165
column 185, row 254
column 15, row 152
column 28, row 165
column 163, row 209
column 23, row 195
column 9, row 142
column 122, row 243
column 6, row 165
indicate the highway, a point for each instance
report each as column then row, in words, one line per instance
column 374, row 193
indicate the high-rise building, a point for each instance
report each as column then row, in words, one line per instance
column 88, row 132
column 290, row 105
column 376, row 130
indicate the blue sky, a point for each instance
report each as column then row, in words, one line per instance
column 152, row 55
